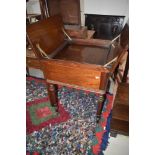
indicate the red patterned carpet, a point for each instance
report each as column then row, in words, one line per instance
column 40, row 113
column 73, row 130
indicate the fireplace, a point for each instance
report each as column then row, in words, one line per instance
column 105, row 26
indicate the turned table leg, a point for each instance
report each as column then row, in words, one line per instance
column 53, row 94
column 101, row 101
column 27, row 71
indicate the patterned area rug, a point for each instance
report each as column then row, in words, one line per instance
column 78, row 134
column 40, row 114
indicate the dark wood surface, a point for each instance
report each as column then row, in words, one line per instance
column 84, row 54
column 77, row 33
column 120, row 118
column 70, row 11
column 120, row 126
column 94, row 42
column 33, row 63
column 120, row 112
column 122, row 96
column 48, row 33
column 125, row 37
column 43, row 9
column 53, row 94
column 121, row 53
column 53, row 7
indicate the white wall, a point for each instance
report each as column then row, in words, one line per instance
column 106, row 7
column 82, row 12
column 33, row 7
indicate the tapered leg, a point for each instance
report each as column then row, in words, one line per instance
column 27, row 71
column 53, row 94
column 101, row 101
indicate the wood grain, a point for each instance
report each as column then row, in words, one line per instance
column 121, row 53
column 52, row 90
column 48, row 33
column 84, row 54
column 73, row 73
column 125, row 37
column 77, row 33
column 70, row 11
column 120, row 113
column 93, row 42
column 53, row 7
column 33, row 62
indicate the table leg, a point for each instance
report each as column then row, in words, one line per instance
column 27, row 71
column 53, row 94
column 101, row 101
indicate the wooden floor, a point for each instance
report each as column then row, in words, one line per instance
column 120, row 113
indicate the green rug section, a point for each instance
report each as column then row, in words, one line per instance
column 94, row 141
column 99, row 129
column 32, row 110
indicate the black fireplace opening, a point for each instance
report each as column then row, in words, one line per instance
column 105, row 26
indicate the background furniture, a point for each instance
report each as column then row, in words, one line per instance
column 120, row 114
column 69, row 10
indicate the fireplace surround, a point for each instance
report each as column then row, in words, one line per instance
column 105, row 26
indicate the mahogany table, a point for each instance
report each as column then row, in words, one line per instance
column 85, row 64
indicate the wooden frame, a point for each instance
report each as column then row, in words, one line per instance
column 82, row 76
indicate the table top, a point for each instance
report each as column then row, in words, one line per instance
column 83, row 54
